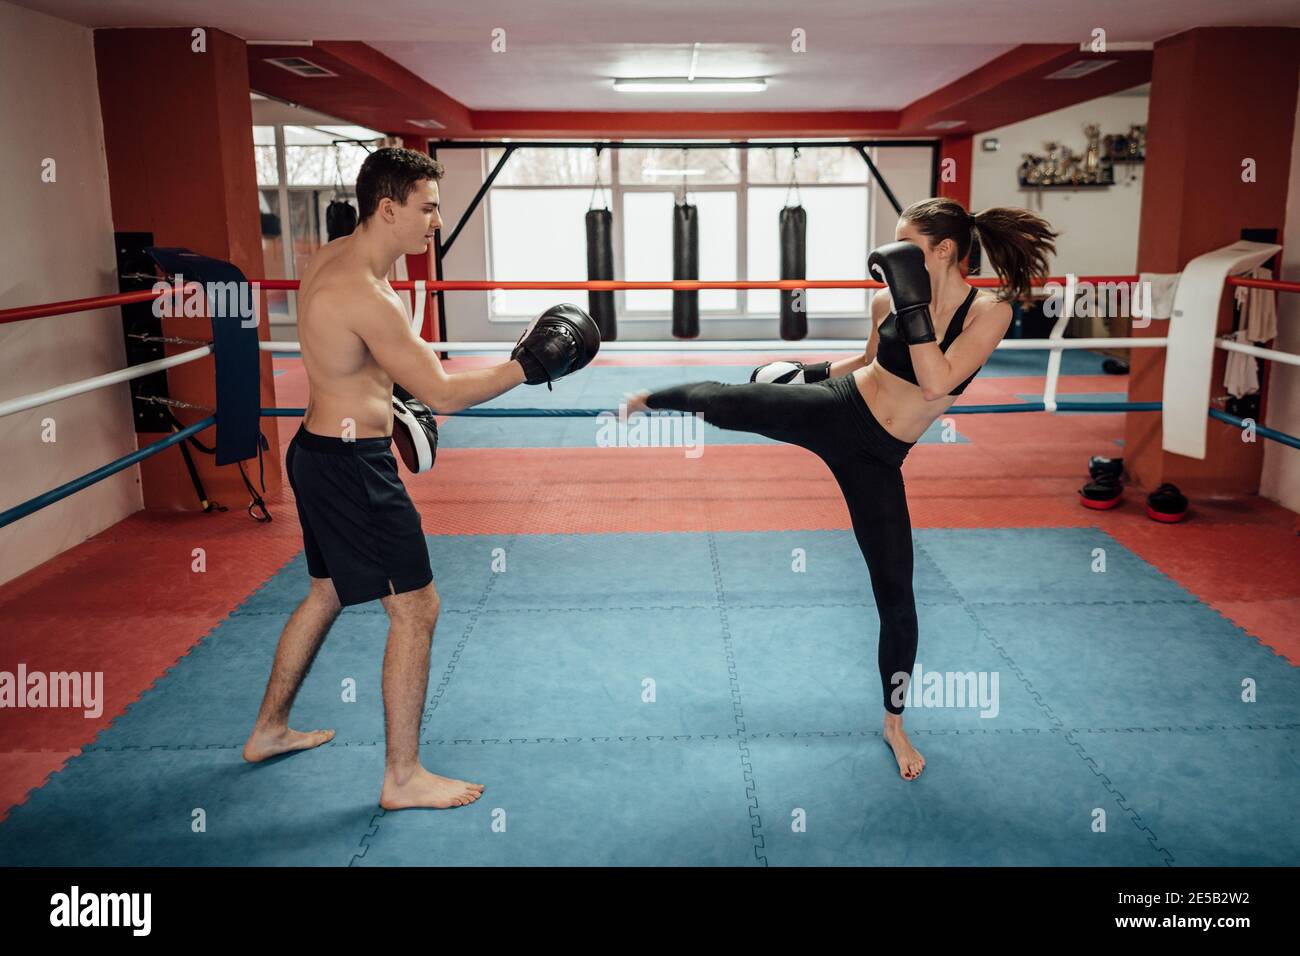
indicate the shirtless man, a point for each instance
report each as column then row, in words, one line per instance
column 361, row 533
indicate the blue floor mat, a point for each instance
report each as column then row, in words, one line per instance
column 1009, row 363
column 721, row 706
column 1091, row 397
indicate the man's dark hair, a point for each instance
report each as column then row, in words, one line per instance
column 392, row 172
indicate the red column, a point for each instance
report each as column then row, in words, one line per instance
column 178, row 135
column 1219, row 97
column 955, row 168
column 421, row 267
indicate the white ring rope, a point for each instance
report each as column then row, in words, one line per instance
column 35, row 399
column 1286, row 358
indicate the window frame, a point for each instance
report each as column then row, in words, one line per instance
column 616, row 190
column 282, row 189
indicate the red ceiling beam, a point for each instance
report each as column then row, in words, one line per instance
column 1013, row 87
column 370, row 89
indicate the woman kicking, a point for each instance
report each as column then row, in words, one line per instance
column 930, row 336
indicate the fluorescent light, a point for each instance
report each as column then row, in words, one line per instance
column 1123, row 46
column 682, row 84
column 1079, row 68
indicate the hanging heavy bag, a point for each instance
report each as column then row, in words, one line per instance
column 600, row 265
column 340, row 215
column 794, row 265
column 686, row 265
column 340, row 219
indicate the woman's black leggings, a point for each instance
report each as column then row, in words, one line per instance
column 832, row 420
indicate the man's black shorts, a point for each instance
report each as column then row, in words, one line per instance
column 358, row 524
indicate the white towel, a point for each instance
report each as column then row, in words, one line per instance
column 1157, row 295
column 1258, row 309
column 1240, row 375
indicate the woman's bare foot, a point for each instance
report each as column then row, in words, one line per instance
column 635, row 402
column 910, row 761
column 264, row 743
column 425, row 789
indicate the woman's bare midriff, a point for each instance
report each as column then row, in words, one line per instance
column 898, row 404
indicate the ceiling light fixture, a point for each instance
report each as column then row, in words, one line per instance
column 690, row 83
column 684, row 84
column 1079, row 68
column 300, row 66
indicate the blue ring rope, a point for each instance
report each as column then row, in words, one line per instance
column 104, row 471
column 1273, row 433
column 32, row 505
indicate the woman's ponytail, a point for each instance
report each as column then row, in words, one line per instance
column 1017, row 242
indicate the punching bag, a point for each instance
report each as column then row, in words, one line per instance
column 600, row 265
column 686, row 265
column 794, row 265
column 340, row 219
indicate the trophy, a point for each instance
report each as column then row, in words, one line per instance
column 1030, row 173
column 1052, row 166
column 1137, row 142
column 1092, row 158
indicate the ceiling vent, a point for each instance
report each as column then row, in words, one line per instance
column 299, row 67
column 427, row 124
column 947, row 124
column 1079, row 68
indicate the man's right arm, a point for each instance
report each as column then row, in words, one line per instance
column 384, row 327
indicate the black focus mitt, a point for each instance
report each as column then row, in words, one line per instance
column 1167, row 504
column 561, row 340
column 1102, row 493
column 1098, row 466
column 415, row 431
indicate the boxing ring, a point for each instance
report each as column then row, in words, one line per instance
column 648, row 645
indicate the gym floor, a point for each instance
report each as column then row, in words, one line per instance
column 710, row 704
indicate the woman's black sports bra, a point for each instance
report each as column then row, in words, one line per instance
column 893, row 353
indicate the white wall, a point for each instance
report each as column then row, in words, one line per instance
column 1280, row 479
column 908, row 171
column 1098, row 226
column 57, row 244
column 467, row 312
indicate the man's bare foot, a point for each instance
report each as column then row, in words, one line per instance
column 263, row 744
column 635, row 402
column 425, row 789
column 910, row 761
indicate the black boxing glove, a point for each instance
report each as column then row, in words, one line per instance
column 901, row 266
